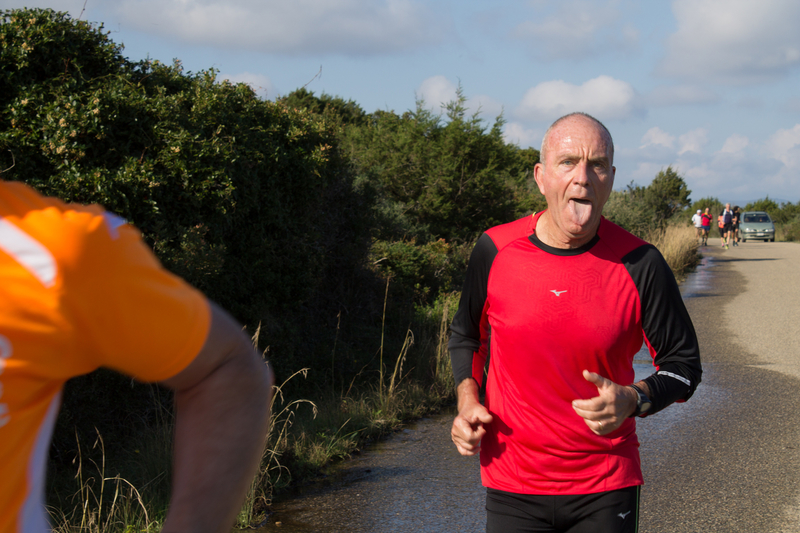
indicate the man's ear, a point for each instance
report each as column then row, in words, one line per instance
column 538, row 175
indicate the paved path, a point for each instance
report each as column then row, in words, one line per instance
column 732, row 464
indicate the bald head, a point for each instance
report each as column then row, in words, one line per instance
column 577, row 116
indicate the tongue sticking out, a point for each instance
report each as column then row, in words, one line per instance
column 580, row 211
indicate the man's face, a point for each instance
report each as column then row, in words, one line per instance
column 728, row 206
column 576, row 177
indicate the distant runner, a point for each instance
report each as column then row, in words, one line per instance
column 706, row 217
column 697, row 220
column 735, row 226
column 725, row 221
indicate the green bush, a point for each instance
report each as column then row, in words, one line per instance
column 248, row 200
column 439, row 177
column 791, row 230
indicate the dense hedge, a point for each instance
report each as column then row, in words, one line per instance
column 246, row 199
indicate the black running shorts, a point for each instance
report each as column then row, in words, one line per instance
column 615, row 511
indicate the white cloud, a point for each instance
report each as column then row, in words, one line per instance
column 516, row 133
column 733, row 41
column 261, row 84
column 693, row 141
column 357, row 27
column 784, row 145
column 655, row 136
column 578, row 29
column 735, row 144
column 603, row 97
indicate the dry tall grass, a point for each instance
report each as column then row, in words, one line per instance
column 678, row 245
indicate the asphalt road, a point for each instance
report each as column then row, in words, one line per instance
column 726, row 461
column 729, row 459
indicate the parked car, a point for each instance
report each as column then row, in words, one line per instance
column 756, row 225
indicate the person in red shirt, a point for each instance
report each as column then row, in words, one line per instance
column 706, row 220
column 79, row 290
column 559, row 302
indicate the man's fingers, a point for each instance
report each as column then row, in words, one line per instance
column 481, row 417
column 467, row 436
column 592, row 405
column 596, row 379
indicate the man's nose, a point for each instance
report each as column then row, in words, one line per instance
column 582, row 173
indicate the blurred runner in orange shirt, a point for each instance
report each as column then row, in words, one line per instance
column 79, row 290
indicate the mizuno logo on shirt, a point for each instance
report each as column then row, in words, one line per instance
column 558, row 293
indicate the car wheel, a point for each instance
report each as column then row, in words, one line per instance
column 744, row 240
column 772, row 240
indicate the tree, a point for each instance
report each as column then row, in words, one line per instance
column 666, row 195
column 788, row 212
column 765, row 204
column 346, row 111
column 628, row 209
column 713, row 204
column 438, row 177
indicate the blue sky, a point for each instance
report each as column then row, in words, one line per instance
column 711, row 87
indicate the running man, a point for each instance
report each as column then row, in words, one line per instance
column 562, row 300
column 706, row 216
column 697, row 220
column 735, row 226
column 725, row 220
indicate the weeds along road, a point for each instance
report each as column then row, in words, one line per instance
column 729, row 459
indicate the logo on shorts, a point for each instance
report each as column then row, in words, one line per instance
column 558, row 293
column 623, row 515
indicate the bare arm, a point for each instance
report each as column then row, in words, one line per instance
column 222, row 400
column 468, row 429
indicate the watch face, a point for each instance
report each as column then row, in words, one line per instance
column 644, row 403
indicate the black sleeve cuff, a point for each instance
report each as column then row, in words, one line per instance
column 668, row 385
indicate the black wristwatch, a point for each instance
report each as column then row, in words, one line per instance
column 643, row 403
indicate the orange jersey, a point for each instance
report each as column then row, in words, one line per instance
column 78, row 290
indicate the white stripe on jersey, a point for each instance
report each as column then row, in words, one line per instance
column 28, row 252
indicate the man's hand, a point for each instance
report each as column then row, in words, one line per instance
column 468, row 430
column 608, row 410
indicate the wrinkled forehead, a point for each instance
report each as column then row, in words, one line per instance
column 578, row 134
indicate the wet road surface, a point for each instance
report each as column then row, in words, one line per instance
column 726, row 461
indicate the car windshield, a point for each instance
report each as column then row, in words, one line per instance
column 756, row 217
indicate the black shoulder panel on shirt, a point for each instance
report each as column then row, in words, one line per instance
column 465, row 331
column 667, row 326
